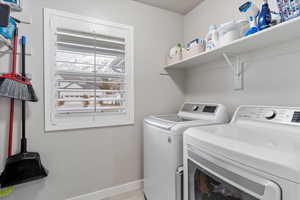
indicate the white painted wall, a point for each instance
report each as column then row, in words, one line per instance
column 84, row 161
column 271, row 74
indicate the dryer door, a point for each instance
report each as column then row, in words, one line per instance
column 210, row 178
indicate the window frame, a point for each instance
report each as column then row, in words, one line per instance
column 92, row 120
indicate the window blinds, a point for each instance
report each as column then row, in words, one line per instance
column 90, row 73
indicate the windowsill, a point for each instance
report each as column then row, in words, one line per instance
column 69, row 127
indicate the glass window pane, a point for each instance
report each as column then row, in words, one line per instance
column 75, row 57
column 110, row 63
column 74, row 61
column 75, row 94
column 90, row 73
column 210, row 187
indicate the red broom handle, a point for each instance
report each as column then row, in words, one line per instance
column 11, row 127
column 12, row 101
column 15, row 49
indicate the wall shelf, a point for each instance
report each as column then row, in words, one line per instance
column 287, row 31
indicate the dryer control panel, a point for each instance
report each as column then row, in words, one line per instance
column 283, row 115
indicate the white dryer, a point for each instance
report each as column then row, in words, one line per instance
column 255, row 157
column 163, row 147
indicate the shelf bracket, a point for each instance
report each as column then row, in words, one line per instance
column 237, row 67
column 164, row 74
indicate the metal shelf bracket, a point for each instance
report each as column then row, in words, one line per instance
column 238, row 72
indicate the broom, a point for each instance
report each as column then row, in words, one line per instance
column 16, row 86
column 25, row 166
column 9, row 190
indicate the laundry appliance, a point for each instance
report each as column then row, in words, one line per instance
column 255, row 157
column 163, row 147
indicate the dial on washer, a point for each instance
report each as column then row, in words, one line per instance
column 195, row 108
column 270, row 114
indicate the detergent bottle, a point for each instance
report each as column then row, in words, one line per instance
column 212, row 38
column 264, row 18
column 252, row 12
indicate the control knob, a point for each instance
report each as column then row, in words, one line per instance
column 270, row 114
column 195, row 108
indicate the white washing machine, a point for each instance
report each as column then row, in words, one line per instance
column 163, row 147
column 255, row 157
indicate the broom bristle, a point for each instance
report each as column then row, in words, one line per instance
column 16, row 90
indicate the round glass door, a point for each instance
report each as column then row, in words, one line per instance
column 205, row 186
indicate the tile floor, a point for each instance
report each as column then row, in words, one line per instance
column 134, row 195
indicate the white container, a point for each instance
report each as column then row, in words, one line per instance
column 172, row 60
column 175, row 55
column 212, row 38
column 193, row 50
column 231, row 31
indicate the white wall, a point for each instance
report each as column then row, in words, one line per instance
column 83, row 161
column 271, row 74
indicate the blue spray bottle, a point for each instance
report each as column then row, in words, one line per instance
column 264, row 18
column 252, row 12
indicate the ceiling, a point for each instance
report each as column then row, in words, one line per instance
column 179, row 6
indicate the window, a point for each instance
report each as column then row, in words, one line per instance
column 88, row 72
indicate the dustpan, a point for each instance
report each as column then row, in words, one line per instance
column 25, row 166
column 22, row 168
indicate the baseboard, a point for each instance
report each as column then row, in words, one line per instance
column 110, row 192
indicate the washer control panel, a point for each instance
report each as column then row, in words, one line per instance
column 199, row 108
column 271, row 114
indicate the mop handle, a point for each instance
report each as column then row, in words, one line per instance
column 12, row 101
column 23, row 46
column 23, row 139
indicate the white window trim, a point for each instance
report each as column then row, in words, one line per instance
column 50, row 125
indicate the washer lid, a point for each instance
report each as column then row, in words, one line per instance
column 163, row 121
column 273, row 149
column 172, row 118
column 176, row 123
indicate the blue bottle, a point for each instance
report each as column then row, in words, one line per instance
column 264, row 18
column 7, row 33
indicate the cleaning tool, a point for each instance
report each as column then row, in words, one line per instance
column 251, row 11
column 4, row 15
column 7, row 191
column 12, row 101
column 25, row 166
column 12, row 108
column 16, row 86
column 265, row 17
column 7, row 33
column 14, row 4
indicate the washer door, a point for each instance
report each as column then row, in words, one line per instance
column 210, row 178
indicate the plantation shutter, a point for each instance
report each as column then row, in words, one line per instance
column 91, row 73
